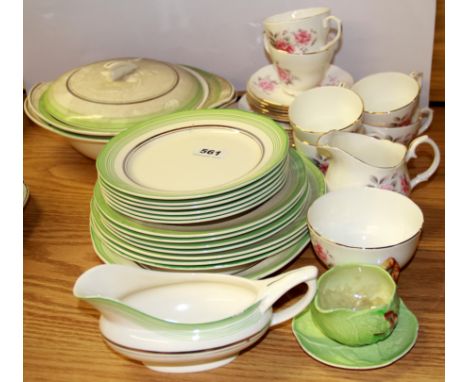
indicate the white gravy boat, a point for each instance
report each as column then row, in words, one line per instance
column 185, row 322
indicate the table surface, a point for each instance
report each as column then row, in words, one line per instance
column 61, row 336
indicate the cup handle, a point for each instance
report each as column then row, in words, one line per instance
column 325, row 23
column 427, row 114
column 411, row 153
column 393, row 267
column 418, row 76
column 279, row 285
column 266, row 44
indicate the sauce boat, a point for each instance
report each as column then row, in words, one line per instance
column 186, row 322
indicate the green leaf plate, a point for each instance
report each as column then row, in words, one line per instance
column 380, row 354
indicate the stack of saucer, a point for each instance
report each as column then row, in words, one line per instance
column 207, row 190
column 91, row 104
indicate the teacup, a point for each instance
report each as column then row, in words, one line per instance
column 302, row 30
column 320, row 110
column 390, row 98
column 300, row 72
column 364, row 225
column 403, row 134
column 356, row 304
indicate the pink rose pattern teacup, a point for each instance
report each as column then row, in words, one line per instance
column 298, row 42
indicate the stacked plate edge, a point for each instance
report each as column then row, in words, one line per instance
column 211, row 190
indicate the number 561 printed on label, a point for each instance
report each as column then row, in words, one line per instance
column 209, row 152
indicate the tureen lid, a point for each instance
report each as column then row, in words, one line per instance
column 122, row 81
column 118, row 93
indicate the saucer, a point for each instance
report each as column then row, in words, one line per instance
column 242, row 104
column 373, row 356
column 25, row 194
column 265, row 85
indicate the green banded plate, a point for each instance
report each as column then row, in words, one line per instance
column 274, row 208
column 193, row 154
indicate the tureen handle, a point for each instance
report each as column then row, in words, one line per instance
column 279, row 285
column 411, row 153
column 119, row 69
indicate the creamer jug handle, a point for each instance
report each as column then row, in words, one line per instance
column 411, row 153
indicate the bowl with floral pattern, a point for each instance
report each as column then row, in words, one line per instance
column 364, row 225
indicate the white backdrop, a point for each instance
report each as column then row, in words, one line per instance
column 221, row 36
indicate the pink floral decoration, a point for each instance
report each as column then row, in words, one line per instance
column 321, row 163
column 267, row 84
column 405, row 185
column 284, row 45
column 303, row 37
column 284, row 75
column 397, row 181
column 323, row 254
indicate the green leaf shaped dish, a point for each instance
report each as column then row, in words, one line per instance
column 379, row 354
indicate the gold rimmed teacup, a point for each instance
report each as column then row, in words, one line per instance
column 390, row 98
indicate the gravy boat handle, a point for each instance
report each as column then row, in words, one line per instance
column 276, row 287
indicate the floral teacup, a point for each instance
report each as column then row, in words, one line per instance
column 320, row 110
column 403, row 134
column 301, row 31
column 300, row 72
column 390, row 98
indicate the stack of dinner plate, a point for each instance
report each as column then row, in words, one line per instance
column 206, row 190
column 91, row 104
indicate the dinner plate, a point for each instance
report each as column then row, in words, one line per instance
column 274, row 208
column 207, row 243
column 193, row 216
column 221, row 91
column 221, row 259
column 109, row 256
column 262, row 268
column 376, row 355
column 252, row 246
column 107, row 94
column 242, row 245
column 206, row 246
column 257, row 270
column 221, row 201
column 193, row 154
column 195, row 265
column 264, row 84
